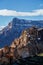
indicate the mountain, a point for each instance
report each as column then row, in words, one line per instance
column 28, row 44
column 14, row 28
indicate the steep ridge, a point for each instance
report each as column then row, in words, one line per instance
column 14, row 29
column 29, row 43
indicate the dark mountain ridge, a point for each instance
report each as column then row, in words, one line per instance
column 14, row 29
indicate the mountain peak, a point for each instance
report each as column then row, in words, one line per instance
column 15, row 18
column 14, row 29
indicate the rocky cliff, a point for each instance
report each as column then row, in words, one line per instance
column 28, row 44
column 14, row 28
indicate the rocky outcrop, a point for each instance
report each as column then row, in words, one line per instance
column 14, row 28
column 28, row 43
column 25, row 46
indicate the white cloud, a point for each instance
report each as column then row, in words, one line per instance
column 6, row 12
column 1, row 27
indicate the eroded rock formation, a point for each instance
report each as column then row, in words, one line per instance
column 26, row 45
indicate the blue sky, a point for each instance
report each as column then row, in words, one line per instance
column 26, row 9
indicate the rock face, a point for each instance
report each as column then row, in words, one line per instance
column 14, row 28
column 28, row 43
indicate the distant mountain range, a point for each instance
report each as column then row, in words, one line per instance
column 14, row 29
